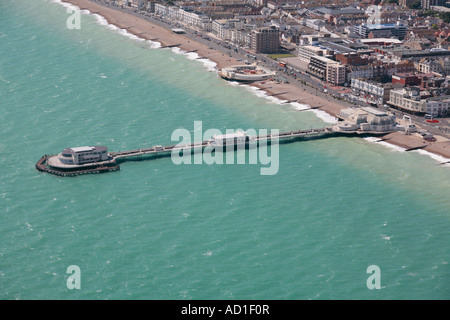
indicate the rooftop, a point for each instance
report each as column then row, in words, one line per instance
column 82, row 149
column 384, row 26
column 338, row 11
column 386, row 40
column 374, row 111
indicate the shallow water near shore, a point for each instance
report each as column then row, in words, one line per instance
column 156, row 230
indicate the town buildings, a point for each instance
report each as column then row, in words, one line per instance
column 427, row 4
column 412, row 99
column 401, row 60
column 387, row 30
column 372, row 92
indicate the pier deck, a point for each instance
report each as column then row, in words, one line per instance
column 162, row 151
column 42, row 167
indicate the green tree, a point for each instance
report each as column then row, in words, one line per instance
column 416, row 4
column 445, row 16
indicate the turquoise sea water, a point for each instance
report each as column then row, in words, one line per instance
column 156, row 230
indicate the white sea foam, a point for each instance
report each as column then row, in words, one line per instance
column 103, row 22
column 328, row 118
column 300, row 106
column 153, row 44
column 125, row 33
column 233, row 83
column 191, row 55
column 386, row 144
column 210, row 65
column 60, row 2
column 262, row 94
column 66, row 4
column 176, row 50
column 434, row 156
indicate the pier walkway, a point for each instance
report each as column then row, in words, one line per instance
column 281, row 137
column 163, row 151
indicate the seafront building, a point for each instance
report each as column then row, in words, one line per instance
column 327, row 70
column 320, row 64
column 336, row 73
column 414, row 100
column 366, row 119
column 246, row 73
column 265, row 40
column 372, row 91
column 223, row 28
column 82, row 155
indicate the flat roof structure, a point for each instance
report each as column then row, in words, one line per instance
column 374, row 111
column 381, row 40
column 82, row 149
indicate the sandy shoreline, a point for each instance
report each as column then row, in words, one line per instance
column 149, row 31
column 282, row 91
column 440, row 148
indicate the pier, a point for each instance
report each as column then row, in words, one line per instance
column 115, row 158
column 41, row 166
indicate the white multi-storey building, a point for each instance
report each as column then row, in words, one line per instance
column 173, row 13
column 306, row 52
column 410, row 99
column 83, row 155
column 195, row 19
column 336, row 73
column 221, row 28
column 372, row 91
column 161, row 9
column 240, row 37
